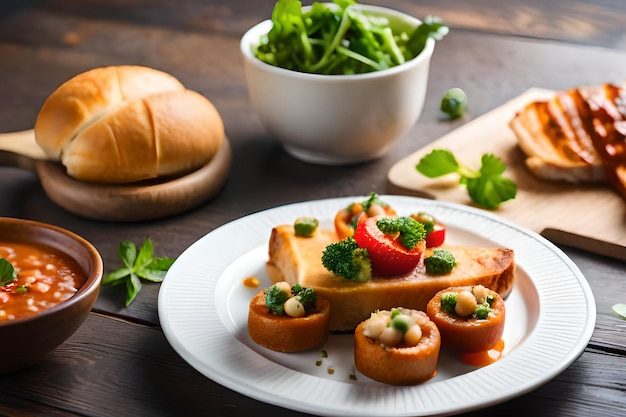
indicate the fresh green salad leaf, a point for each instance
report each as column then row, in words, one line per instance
column 486, row 187
column 339, row 39
column 7, row 272
column 137, row 266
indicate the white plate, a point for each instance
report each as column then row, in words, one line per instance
column 203, row 307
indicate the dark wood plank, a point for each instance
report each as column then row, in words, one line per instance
column 118, row 368
column 119, row 363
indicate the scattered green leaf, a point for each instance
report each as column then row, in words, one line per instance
column 486, row 187
column 137, row 265
column 620, row 310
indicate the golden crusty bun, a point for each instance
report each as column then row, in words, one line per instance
column 123, row 124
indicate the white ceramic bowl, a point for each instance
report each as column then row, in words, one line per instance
column 338, row 119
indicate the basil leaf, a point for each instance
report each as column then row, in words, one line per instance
column 138, row 265
column 7, row 272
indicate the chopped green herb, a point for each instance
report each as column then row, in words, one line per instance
column 137, row 266
column 486, row 187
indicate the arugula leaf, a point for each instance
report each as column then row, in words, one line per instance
column 486, row 187
column 7, row 272
column 137, row 265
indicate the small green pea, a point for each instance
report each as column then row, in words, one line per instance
column 305, row 226
column 454, row 103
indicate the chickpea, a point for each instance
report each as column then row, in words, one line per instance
column 465, row 303
column 294, row 308
column 413, row 335
column 480, row 293
column 391, row 337
column 375, row 326
column 284, row 287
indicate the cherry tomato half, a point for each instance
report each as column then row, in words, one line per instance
column 437, row 236
column 388, row 256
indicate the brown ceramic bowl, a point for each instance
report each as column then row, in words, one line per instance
column 26, row 341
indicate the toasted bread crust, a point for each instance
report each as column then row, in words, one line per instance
column 298, row 260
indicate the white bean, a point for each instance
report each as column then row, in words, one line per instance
column 480, row 293
column 391, row 337
column 284, row 287
column 294, row 308
column 375, row 326
column 413, row 335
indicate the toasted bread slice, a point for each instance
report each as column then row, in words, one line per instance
column 298, row 260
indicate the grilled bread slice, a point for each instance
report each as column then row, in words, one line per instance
column 577, row 136
column 554, row 136
column 298, row 260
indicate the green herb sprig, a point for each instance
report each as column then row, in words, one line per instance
column 486, row 187
column 7, row 272
column 137, row 265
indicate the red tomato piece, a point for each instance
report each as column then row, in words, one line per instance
column 437, row 236
column 388, row 256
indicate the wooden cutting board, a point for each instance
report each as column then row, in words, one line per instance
column 588, row 217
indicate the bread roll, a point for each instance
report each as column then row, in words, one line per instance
column 123, row 124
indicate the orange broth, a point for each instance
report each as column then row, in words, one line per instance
column 45, row 278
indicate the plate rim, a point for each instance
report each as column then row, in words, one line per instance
column 172, row 329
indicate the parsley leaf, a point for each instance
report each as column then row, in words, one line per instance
column 486, row 187
column 137, row 265
column 7, row 272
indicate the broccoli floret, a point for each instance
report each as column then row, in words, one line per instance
column 440, row 262
column 426, row 219
column 411, row 232
column 275, row 300
column 306, row 296
column 346, row 259
column 448, row 302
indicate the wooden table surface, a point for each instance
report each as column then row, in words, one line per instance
column 119, row 362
